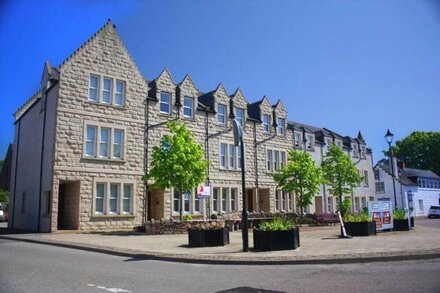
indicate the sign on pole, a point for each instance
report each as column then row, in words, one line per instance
column 203, row 191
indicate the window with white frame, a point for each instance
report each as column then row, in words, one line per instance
column 275, row 159
column 230, row 157
column 234, row 197
column 297, row 139
column 176, row 202
column 339, row 143
column 221, row 113
column 188, row 107
column 239, row 114
column 355, row 149
column 119, row 93
column 363, row 151
column 225, row 194
column 280, row 126
column 328, row 144
column 215, row 195
column 366, row 178
column 107, row 86
column 310, row 141
column 277, row 200
column 356, row 204
column 165, row 103
column 187, row 201
column 376, row 175
column 364, row 202
column 113, row 198
column 380, row 187
column 93, row 88
column 330, row 204
column 103, row 142
column 266, row 123
column 285, row 201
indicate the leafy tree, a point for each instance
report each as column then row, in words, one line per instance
column 300, row 176
column 420, row 150
column 178, row 162
column 340, row 174
column 4, row 196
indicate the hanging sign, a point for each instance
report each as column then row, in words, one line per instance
column 203, row 191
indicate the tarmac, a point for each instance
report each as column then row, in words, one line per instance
column 319, row 245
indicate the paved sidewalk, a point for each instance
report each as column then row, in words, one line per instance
column 318, row 245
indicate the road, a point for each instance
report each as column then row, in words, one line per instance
column 26, row 267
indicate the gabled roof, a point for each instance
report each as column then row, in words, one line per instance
column 188, row 78
column 411, row 172
column 254, row 109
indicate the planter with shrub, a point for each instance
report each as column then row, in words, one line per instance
column 277, row 234
column 208, row 236
column 359, row 225
column 400, row 221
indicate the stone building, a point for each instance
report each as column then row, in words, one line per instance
column 83, row 142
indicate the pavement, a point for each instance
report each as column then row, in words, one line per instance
column 319, row 245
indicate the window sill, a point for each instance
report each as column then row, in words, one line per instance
column 117, row 216
column 104, row 160
column 163, row 114
column 106, row 105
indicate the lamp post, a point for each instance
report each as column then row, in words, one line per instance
column 389, row 139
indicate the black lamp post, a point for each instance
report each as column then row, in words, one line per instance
column 389, row 139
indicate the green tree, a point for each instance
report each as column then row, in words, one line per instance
column 420, row 150
column 178, row 162
column 4, row 196
column 300, row 176
column 340, row 173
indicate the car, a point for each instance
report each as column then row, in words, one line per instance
column 434, row 211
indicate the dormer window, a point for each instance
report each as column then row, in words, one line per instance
column 310, row 143
column 165, row 100
column 297, row 139
column 280, row 126
column 221, row 113
column 339, row 144
column 266, row 123
column 355, row 150
column 328, row 144
column 363, row 151
column 188, row 107
column 239, row 114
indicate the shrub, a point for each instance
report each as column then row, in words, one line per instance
column 355, row 218
column 214, row 217
column 277, row 224
column 187, row 217
column 305, row 220
column 345, row 206
column 400, row 214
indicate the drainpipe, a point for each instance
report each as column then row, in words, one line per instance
column 324, row 194
column 257, row 196
column 15, row 174
column 144, row 214
column 41, row 162
column 207, row 211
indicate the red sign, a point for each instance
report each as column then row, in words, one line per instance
column 378, row 219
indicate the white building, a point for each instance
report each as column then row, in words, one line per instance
column 420, row 187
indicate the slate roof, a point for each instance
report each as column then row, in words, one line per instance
column 410, row 172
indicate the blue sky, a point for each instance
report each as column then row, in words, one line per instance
column 344, row 65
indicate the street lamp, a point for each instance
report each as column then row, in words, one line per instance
column 389, row 139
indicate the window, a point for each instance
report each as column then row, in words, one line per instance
column 285, row 200
column 165, row 101
column 127, row 200
column 119, row 93
column 276, row 161
column 215, row 199
column 93, row 88
column 280, row 126
column 366, row 178
column 234, row 193
column 111, row 142
column 282, row 159
column 197, row 205
column 117, row 143
column 355, row 150
column 104, row 142
column 99, row 198
column 91, row 141
column 221, row 114
column 239, row 113
column 339, row 144
column 376, row 175
column 363, row 151
column 297, row 139
column 310, row 143
column 223, row 150
column 421, row 208
column 364, row 202
column 380, row 187
column 107, row 91
column 330, row 205
column 188, row 107
column 225, row 207
column 356, row 204
column 269, row 160
column 176, row 202
column 186, row 202
column 328, row 144
column 266, row 123
column 114, row 196
column 231, row 156
column 277, row 199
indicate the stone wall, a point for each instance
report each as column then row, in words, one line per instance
column 177, row 227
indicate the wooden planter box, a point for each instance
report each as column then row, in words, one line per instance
column 401, row 225
column 211, row 237
column 360, row 228
column 276, row 240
